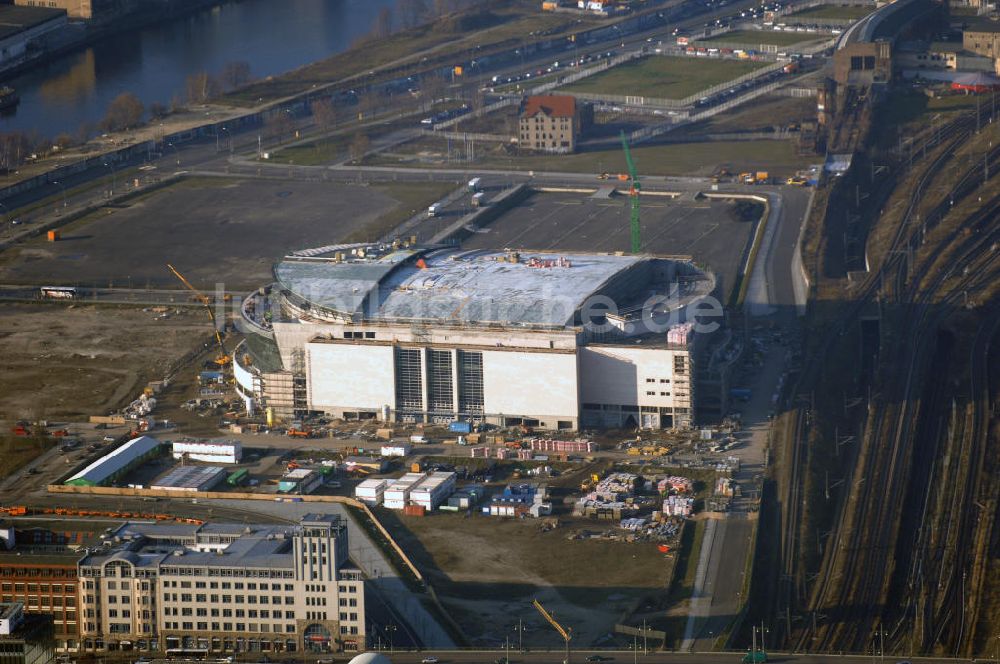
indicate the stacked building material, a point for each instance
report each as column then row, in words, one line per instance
column 681, row 335
column 525, row 455
column 479, row 452
column 678, row 506
column 564, row 446
column 676, row 484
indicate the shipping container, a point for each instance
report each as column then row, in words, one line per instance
column 460, row 427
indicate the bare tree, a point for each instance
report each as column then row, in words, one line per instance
column 325, row 115
column 278, row 125
column 64, row 141
column 411, row 12
column 124, row 112
column 158, row 110
column 383, row 24
column 14, row 148
column 236, row 74
column 200, row 87
column 359, row 146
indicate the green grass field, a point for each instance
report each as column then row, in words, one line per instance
column 847, row 12
column 754, row 37
column 701, row 158
column 664, row 77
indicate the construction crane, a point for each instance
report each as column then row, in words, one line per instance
column 223, row 359
column 566, row 633
column 633, row 191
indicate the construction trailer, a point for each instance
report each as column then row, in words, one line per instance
column 434, row 490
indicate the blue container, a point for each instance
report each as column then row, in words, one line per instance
column 460, row 427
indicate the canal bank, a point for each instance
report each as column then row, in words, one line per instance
column 152, row 55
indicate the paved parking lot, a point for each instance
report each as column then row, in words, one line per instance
column 707, row 231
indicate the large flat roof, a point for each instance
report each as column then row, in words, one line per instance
column 445, row 285
column 16, row 18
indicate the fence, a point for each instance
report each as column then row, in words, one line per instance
column 653, row 131
column 468, row 135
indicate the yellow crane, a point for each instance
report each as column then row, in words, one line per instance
column 198, row 296
column 566, row 633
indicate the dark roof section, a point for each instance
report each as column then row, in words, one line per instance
column 556, row 106
column 15, row 19
column 980, row 24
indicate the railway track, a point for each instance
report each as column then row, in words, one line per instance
column 871, row 510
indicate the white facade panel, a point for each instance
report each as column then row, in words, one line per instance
column 623, row 375
column 347, row 376
column 537, row 384
column 210, row 452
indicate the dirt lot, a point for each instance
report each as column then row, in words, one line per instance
column 212, row 230
column 488, row 570
column 67, row 363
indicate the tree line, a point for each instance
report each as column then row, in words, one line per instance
column 124, row 113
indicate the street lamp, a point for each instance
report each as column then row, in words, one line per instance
column 229, row 138
column 390, row 630
column 177, row 153
column 63, row 188
column 114, row 184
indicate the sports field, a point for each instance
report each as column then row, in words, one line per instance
column 664, row 77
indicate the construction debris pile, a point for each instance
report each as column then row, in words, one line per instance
column 612, row 498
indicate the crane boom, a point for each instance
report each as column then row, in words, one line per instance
column 633, row 192
column 566, row 633
column 206, row 301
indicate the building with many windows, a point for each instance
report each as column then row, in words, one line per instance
column 223, row 588
column 551, row 123
column 38, row 569
column 554, row 341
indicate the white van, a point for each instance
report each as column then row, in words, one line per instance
column 433, row 210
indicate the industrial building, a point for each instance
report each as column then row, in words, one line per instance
column 22, row 29
column 116, row 463
column 190, row 478
column 24, row 639
column 228, row 451
column 408, row 334
column 223, row 588
column 300, row 481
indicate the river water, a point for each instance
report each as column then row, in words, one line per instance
column 274, row 36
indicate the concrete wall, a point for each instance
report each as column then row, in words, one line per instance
column 618, row 375
column 350, row 376
column 534, row 384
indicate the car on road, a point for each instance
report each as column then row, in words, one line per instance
column 599, row 658
column 429, row 660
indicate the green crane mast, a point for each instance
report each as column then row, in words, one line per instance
column 633, row 191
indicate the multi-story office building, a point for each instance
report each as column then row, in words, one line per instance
column 223, row 588
column 38, row 570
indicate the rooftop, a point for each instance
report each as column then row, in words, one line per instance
column 555, row 106
column 981, row 24
column 189, row 477
column 447, row 285
column 15, row 19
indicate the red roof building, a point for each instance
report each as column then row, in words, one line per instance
column 549, row 123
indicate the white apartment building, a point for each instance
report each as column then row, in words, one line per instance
column 223, row 588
